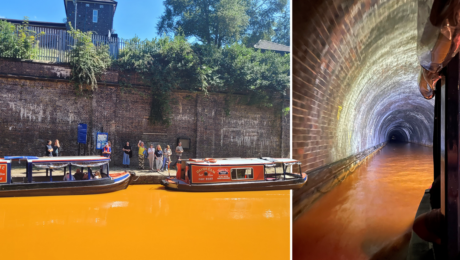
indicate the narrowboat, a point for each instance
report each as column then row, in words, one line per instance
column 236, row 174
column 66, row 184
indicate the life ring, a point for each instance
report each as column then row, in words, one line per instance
column 211, row 160
column 195, row 160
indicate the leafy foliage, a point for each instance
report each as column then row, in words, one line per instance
column 283, row 28
column 165, row 64
column 260, row 75
column 263, row 20
column 224, row 22
column 213, row 22
column 87, row 61
column 18, row 42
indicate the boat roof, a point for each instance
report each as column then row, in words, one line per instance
column 60, row 159
column 242, row 161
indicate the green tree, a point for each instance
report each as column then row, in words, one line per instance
column 213, row 22
column 283, row 28
column 18, row 41
column 263, row 20
column 263, row 76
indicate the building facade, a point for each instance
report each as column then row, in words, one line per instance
column 92, row 15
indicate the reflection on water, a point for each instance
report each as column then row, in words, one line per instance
column 372, row 206
column 147, row 222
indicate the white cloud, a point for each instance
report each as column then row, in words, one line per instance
column 1, row 17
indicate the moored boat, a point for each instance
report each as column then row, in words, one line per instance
column 236, row 174
column 61, row 185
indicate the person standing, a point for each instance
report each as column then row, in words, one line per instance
column 141, row 154
column 49, row 149
column 151, row 153
column 126, row 152
column 107, row 151
column 167, row 157
column 56, row 148
column 159, row 157
column 179, row 151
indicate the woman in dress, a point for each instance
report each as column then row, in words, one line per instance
column 159, row 157
column 126, row 151
column 167, row 158
column 56, row 148
column 151, row 152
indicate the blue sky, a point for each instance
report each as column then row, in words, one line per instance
column 133, row 17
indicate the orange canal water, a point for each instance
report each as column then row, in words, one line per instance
column 147, row 222
column 371, row 207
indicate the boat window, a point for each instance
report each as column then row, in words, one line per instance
column 243, row 173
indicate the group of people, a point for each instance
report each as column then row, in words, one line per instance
column 159, row 160
column 52, row 150
column 79, row 175
column 157, row 157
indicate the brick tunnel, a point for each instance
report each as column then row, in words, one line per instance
column 355, row 87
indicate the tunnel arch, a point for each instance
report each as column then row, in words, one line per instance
column 355, row 78
column 397, row 135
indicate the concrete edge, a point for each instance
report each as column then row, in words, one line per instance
column 303, row 199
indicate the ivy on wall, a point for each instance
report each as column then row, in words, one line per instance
column 87, row 61
column 171, row 63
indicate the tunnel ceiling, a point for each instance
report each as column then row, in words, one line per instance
column 355, row 78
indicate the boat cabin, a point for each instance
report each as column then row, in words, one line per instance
column 93, row 176
column 236, row 174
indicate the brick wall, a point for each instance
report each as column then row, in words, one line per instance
column 355, row 78
column 38, row 103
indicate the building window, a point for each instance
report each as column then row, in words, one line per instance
column 243, row 173
column 94, row 16
column 101, row 6
column 87, row 5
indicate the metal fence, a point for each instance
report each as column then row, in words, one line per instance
column 55, row 44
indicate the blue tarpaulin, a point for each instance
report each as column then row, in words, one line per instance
column 82, row 131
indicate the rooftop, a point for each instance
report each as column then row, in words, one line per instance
column 241, row 161
column 38, row 23
column 267, row 45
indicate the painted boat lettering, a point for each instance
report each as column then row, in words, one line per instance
column 3, row 169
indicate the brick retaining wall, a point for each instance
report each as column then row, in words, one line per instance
column 37, row 103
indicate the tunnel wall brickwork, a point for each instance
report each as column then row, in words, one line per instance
column 323, row 179
column 355, row 74
column 37, row 103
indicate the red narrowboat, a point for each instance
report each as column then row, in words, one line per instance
column 236, row 174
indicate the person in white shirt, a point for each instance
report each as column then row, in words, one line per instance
column 68, row 177
column 151, row 152
column 179, row 151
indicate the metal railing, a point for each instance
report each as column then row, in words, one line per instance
column 55, row 44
